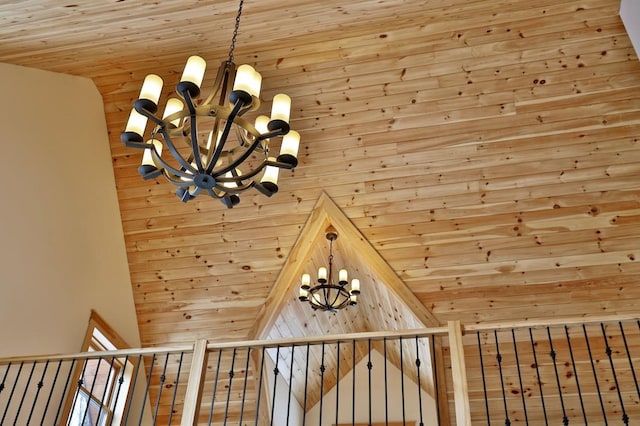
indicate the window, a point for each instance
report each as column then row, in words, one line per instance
column 101, row 385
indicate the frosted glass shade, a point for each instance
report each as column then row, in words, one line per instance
column 248, row 80
column 281, row 107
column 194, row 70
column 322, row 273
column 290, row 143
column 173, row 105
column 270, row 174
column 151, row 88
column 136, row 123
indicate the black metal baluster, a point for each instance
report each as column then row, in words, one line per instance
column 386, row 390
column 163, row 378
column 120, row 382
column 626, row 347
column 625, row 417
column 306, row 382
column 13, row 388
column 552, row 354
column 4, row 378
column 2, row 386
column 337, row 380
column 134, row 382
column 353, row 384
column 146, row 390
column 484, row 381
column 515, row 351
column 434, row 363
column 24, row 394
column 104, row 392
column 175, row 388
column 275, row 383
column 215, row 386
column 595, row 376
column 93, row 384
column 80, row 382
column 507, row 421
column 575, row 374
column 260, row 388
column 231, row 375
column 53, row 385
column 290, row 383
column 244, row 386
column 419, row 384
column 535, row 362
column 369, row 367
column 321, row 384
column 404, row 416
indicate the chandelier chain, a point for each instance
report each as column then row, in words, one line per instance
column 235, row 32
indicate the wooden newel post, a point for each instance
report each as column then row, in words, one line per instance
column 459, row 373
column 193, row 393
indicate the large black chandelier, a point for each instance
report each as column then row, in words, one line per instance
column 325, row 295
column 213, row 147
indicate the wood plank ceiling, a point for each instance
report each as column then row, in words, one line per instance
column 488, row 150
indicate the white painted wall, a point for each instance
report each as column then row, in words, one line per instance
column 62, row 249
column 393, row 390
column 630, row 14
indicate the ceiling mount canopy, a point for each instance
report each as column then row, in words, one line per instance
column 213, row 147
column 325, row 295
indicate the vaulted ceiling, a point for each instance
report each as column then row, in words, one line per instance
column 487, row 151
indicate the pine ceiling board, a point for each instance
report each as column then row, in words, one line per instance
column 438, row 127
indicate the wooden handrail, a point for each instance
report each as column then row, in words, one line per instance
column 490, row 326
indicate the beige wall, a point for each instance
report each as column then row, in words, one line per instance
column 62, row 251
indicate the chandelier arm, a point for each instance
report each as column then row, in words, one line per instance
column 195, row 147
column 231, row 167
column 197, row 190
column 224, row 136
column 174, row 152
column 158, row 160
column 315, row 299
column 177, row 182
column 245, row 176
column 214, row 132
column 221, row 80
column 238, row 189
column 212, row 193
column 139, row 107
column 338, row 294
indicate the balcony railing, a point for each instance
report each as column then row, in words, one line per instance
column 571, row 372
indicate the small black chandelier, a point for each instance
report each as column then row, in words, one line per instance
column 198, row 134
column 327, row 296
